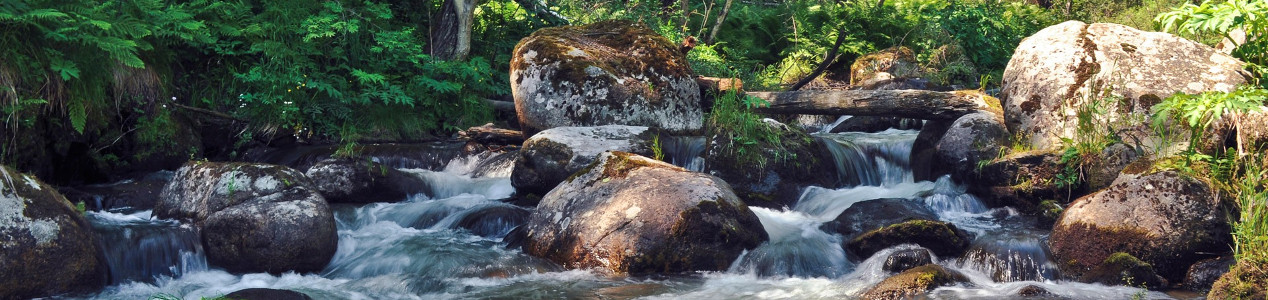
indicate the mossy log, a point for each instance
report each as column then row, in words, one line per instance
column 914, row 104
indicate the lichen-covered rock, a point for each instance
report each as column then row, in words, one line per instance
column 361, row 181
column 630, row 214
column 253, row 217
column 1203, row 274
column 873, row 214
column 1252, row 129
column 971, row 139
column 895, row 62
column 606, row 73
column 802, row 161
column 1247, row 280
column 914, row 282
column 1070, row 65
column 46, row 246
column 551, row 156
column 1165, row 219
column 943, row 238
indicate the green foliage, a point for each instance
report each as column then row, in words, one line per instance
column 658, row 153
column 750, row 139
column 1199, row 112
column 1222, row 17
column 1096, row 128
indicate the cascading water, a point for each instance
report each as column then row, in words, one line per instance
column 447, row 243
column 872, row 159
column 684, row 151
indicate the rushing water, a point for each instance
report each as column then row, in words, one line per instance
column 447, row 244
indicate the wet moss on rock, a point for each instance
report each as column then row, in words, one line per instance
column 943, row 238
column 914, row 282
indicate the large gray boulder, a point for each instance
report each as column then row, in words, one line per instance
column 551, row 156
column 46, row 246
column 606, row 73
column 254, row 217
column 1165, row 219
column 971, row 139
column 1070, row 65
column 362, row 181
column 631, row 214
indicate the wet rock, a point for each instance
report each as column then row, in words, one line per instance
column 266, row 294
column 888, row 64
column 1021, row 180
column 253, row 217
column 1072, row 64
column 914, row 282
column 1034, row 291
column 631, row 214
column 923, row 149
column 1165, row 219
column 1124, row 269
column 904, row 260
column 46, row 246
column 875, row 124
column 942, row 238
column 551, row 156
column 1203, row 274
column 799, row 161
column 1247, row 280
column 606, row 73
column 139, row 194
column 494, row 221
column 362, row 181
column 970, row 140
column 874, row 214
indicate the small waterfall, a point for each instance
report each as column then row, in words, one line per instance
column 1009, row 259
column 828, row 128
column 872, row 159
column 684, row 151
column 140, row 249
column 796, row 248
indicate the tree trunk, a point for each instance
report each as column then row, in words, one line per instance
column 913, row 104
column 713, row 34
column 451, row 30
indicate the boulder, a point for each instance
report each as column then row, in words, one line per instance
column 551, row 156
column 1073, row 64
column 1035, row 291
column 772, row 175
column 1022, row 180
column 970, row 140
column 903, row 260
column 350, row 180
column 874, row 214
column 913, row 283
column 606, row 73
column 253, row 217
column 630, row 214
column 924, row 148
column 1252, row 129
column 1165, row 219
column 888, row 64
column 1247, row 280
column 1102, row 170
column 1124, row 269
column 46, row 246
column 1203, row 274
column 942, row 238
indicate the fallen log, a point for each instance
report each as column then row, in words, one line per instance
column 487, row 134
column 913, row 104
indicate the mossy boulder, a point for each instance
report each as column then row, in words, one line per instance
column 1074, row 64
column 46, row 246
column 907, row 259
column 769, row 175
column 870, row 215
column 942, row 238
column 1124, row 269
column 914, row 283
column 550, row 156
column 606, row 73
column 888, row 64
column 349, row 180
column 1022, row 180
column 1165, row 219
column 1247, row 280
column 253, row 217
column 631, row 214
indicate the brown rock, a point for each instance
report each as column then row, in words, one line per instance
column 914, row 282
column 46, row 246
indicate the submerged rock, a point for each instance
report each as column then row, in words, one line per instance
column 943, row 238
column 551, row 156
column 631, row 214
column 606, row 73
column 46, row 246
column 1165, row 219
column 914, row 282
column 362, row 181
column 253, row 217
column 1073, row 64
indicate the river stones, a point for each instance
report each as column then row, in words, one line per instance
column 1071, row 65
column 914, row 282
column 550, row 156
column 46, row 246
column 943, row 238
column 253, row 217
column 361, row 181
column 606, row 73
column 630, row 214
column 1165, row 219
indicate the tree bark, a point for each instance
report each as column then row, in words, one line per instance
column 713, row 34
column 451, row 30
column 914, row 104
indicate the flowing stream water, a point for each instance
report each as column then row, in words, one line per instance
column 447, row 244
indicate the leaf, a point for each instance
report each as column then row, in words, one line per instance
column 78, row 116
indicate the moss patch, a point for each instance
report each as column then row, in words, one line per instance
column 1247, row 280
column 944, row 239
column 908, row 284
